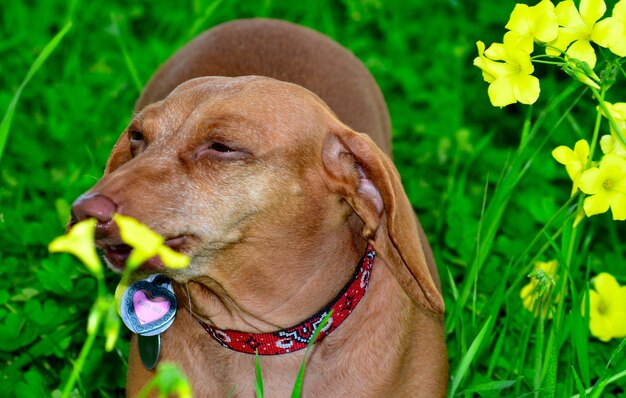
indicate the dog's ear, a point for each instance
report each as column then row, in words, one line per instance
column 119, row 155
column 366, row 178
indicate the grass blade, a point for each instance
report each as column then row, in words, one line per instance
column 597, row 391
column 258, row 383
column 580, row 331
column 199, row 22
column 468, row 358
column 600, row 386
column 297, row 388
column 490, row 386
column 232, row 392
column 5, row 126
column 579, row 384
column 455, row 292
column 130, row 65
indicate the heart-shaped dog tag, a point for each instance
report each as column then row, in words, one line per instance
column 148, row 306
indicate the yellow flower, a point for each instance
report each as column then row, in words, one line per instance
column 606, row 186
column 575, row 161
column 508, row 69
column 537, row 294
column 609, row 144
column 147, row 244
column 578, row 29
column 79, row 241
column 607, row 308
column 538, row 22
column 611, row 32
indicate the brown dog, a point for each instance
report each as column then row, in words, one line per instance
column 275, row 197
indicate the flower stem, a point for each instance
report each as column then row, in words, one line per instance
column 618, row 131
column 570, row 242
column 619, row 65
column 596, row 128
column 80, row 362
column 91, row 338
column 539, row 61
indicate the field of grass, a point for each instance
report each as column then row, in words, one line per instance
column 482, row 180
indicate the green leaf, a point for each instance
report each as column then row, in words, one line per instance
column 26, row 294
column 54, row 273
column 14, row 333
column 32, row 385
column 4, row 296
column 44, row 314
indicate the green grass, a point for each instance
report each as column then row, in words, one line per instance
column 482, row 180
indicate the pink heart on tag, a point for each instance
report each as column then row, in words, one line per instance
column 149, row 309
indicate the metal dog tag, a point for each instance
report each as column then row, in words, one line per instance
column 149, row 350
column 148, row 306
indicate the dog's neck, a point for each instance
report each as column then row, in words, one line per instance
column 275, row 288
column 303, row 334
column 402, row 354
column 394, row 360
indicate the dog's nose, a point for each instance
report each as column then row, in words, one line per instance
column 99, row 207
column 93, row 206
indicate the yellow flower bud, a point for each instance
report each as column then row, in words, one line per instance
column 538, row 295
column 581, row 71
column 112, row 325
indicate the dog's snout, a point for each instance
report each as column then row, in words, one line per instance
column 99, row 207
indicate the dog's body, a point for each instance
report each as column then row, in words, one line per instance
column 276, row 200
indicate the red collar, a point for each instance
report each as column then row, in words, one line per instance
column 297, row 337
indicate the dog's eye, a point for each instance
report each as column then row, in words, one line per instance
column 219, row 147
column 135, row 135
column 137, row 142
column 220, row 150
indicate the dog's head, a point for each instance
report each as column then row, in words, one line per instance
column 233, row 170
